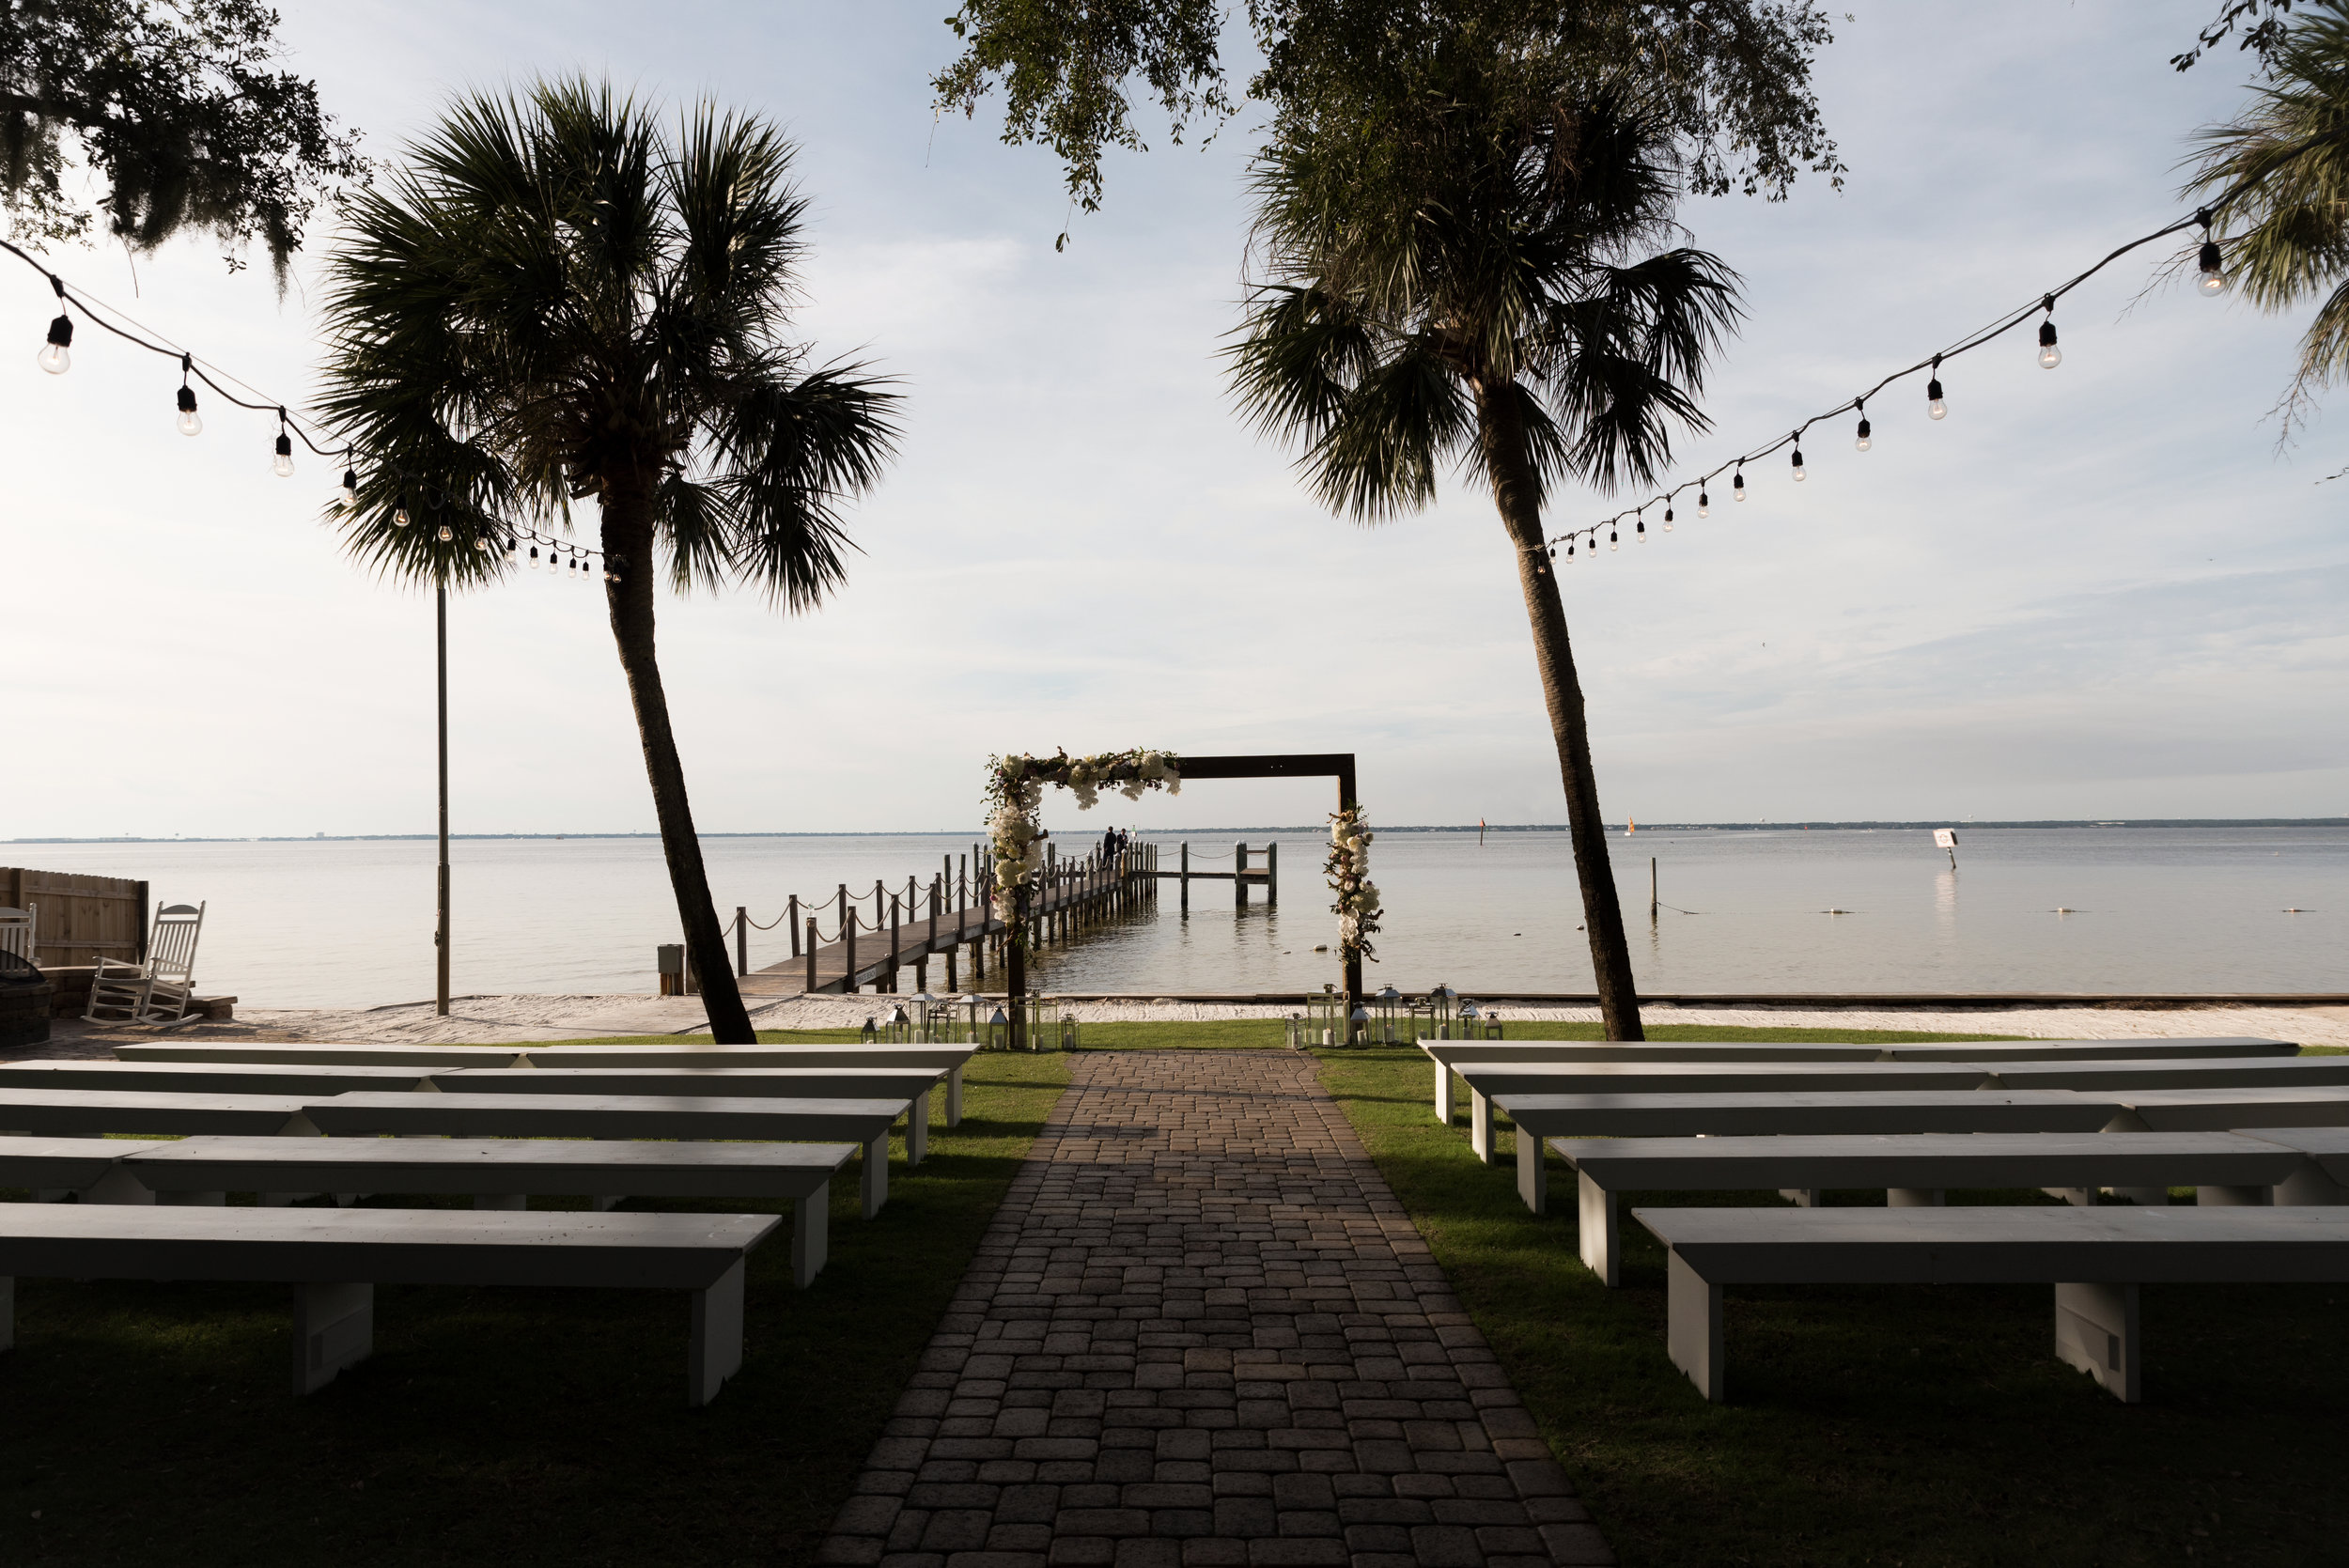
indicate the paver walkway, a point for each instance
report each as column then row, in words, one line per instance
column 1202, row 1333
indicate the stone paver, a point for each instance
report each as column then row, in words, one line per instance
column 1202, row 1333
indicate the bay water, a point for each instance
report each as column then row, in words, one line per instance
column 349, row 923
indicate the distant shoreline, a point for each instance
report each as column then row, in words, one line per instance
column 1294, row 828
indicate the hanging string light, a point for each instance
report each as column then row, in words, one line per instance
column 282, row 464
column 351, row 480
column 191, row 423
column 1799, row 474
column 2213, row 279
column 56, row 358
column 1640, row 535
column 1861, row 442
column 2049, row 355
column 1667, row 519
column 1936, row 406
column 1738, row 483
column 1704, row 503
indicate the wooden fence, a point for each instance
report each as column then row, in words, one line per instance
column 80, row 918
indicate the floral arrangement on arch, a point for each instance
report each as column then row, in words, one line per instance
column 1348, row 869
column 1014, row 791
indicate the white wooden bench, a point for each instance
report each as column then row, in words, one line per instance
column 1914, row 1169
column 1543, row 1117
column 89, row 1168
column 95, row 1112
column 1487, row 1079
column 501, row 1172
column 953, row 1059
column 1444, row 1052
column 2236, row 1072
column 624, row 1116
column 205, row 1078
column 2218, row 1109
column 2324, row 1174
column 336, row 1257
column 912, row 1084
column 2096, row 1258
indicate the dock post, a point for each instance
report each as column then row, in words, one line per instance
column 741, row 940
column 811, row 953
column 1186, row 877
column 950, row 986
column 1651, row 887
column 1272, row 876
column 897, row 953
column 847, row 937
column 1239, row 876
column 792, row 916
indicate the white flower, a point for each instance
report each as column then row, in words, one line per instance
column 1153, row 766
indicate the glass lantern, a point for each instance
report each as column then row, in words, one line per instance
column 1444, row 1004
column 930, row 1016
column 869, row 1035
column 1357, row 1027
column 971, row 1028
column 898, row 1030
column 1391, row 1020
column 1294, row 1032
column 1050, row 1027
column 1324, row 1017
column 996, row 1032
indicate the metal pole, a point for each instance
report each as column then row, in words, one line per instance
column 1272, row 876
column 1651, row 887
column 811, row 955
column 440, row 933
column 792, row 916
column 1186, row 877
column 741, row 940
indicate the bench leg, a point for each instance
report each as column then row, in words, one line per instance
column 810, row 1242
column 876, row 1175
column 1601, row 1254
column 1694, row 1328
column 500, row 1200
column 953, row 1098
column 918, row 1130
column 197, row 1199
column 717, row 1353
column 1481, row 1124
column 118, row 1186
column 1801, row 1197
column 2151, row 1197
column 2079, row 1197
column 1532, row 1172
column 2096, row 1331
column 2234, row 1196
column 1913, row 1197
column 1443, row 1094
column 334, row 1328
column 609, row 1201
column 2307, row 1185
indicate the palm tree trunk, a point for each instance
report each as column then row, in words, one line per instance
column 1517, row 494
column 628, row 539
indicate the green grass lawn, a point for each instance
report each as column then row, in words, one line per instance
column 1894, row 1425
column 148, row 1423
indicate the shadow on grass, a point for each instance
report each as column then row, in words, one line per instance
column 152, row 1422
column 1914, row 1425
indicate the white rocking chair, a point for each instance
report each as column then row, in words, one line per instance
column 156, row 991
column 18, row 929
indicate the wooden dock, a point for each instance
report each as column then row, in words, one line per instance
column 949, row 921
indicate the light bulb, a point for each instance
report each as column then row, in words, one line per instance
column 190, row 423
column 351, row 487
column 2049, row 355
column 446, row 533
column 54, row 358
column 479, row 543
column 535, row 562
column 1799, row 474
column 282, row 464
column 1704, row 504
column 1667, row 519
column 1737, row 486
column 1613, row 542
column 399, row 517
column 2212, row 281
column 1936, row 406
column 1861, row 442
column 1642, row 532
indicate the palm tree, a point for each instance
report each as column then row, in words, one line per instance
column 1463, row 268
column 2279, row 172
column 556, row 301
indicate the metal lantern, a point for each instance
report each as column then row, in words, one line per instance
column 1392, row 1023
column 1049, row 1027
column 899, row 1030
column 1492, row 1026
column 869, row 1035
column 1357, row 1027
column 1471, row 1022
column 997, row 1035
column 1445, row 1003
column 1294, row 1034
column 969, row 1028
column 1324, row 1017
column 929, row 1019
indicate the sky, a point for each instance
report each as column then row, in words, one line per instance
column 2098, row 592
